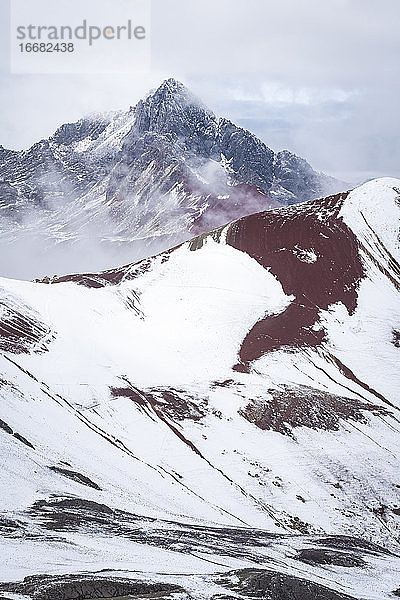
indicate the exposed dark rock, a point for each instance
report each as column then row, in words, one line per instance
column 249, row 158
column 5, row 427
column 345, row 542
column 319, row 556
column 76, row 514
column 270, row 585
column 88, row 517
column 8, row 526
column 75, row 132
column 76, row 477
column 72, row 514
column 294, row 522
column 303, row 406
column 226, row 383
column 90, row 506
column 81, row 587
column 173, row 403
column 21, row 328
column 396, row 338
column 111, row 276
column 297, row 177
column 18, row 436
column 173, row 110
column 197, row 242
column 22, row 439
column 94, row 280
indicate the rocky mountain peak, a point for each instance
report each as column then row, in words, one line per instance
column 249, row 158
column 173, row 109
column 90, row 126
column 171, row 87
column 149, row 177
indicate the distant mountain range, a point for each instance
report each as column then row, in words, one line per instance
column 118, row 187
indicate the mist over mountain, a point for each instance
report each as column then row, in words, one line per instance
column 118, row 187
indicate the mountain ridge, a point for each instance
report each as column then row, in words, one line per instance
column 132, row 443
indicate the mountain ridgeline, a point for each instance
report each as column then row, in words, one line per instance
column 219, row 418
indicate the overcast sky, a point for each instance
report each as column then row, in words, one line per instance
column 319, row 77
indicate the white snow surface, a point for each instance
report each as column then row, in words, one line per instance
column 178, row 327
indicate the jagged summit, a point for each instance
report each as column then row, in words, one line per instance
column 173, row 91
column 170, row 87
column 173, row 109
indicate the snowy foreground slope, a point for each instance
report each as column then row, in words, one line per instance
column 219, row 420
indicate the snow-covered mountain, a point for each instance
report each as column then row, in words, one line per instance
column 220, row 420
column 119, row 187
